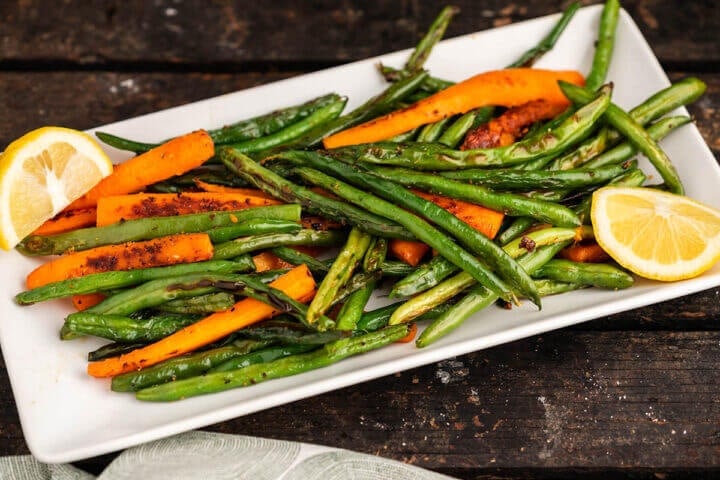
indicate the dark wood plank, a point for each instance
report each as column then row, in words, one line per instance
column 216, row 33
column 563, row 400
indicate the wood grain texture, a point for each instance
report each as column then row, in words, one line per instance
column 220, row 33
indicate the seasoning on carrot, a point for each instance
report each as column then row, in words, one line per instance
column 86, row 300
column 115, row 208
column 298, row 283
column 67, row 220
column 269, row 261
column 587, row 251
column 507, row 88
column 170, row 250
column 409, row 251
column 174, row 157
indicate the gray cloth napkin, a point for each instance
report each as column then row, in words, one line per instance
column 217, row 456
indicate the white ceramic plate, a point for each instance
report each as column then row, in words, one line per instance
column 67, row 415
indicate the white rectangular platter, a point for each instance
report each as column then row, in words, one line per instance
column 67, row 415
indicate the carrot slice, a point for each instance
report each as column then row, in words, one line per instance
column 482, row 219
column 507, row 88
column 87, row 300
column 174, row 157
column 297, row 283
column 408, row 251
column 587, row 252
column 412, row 331
column 183, row 248
column 115, row 208
column 269, row 261
column 66, row 221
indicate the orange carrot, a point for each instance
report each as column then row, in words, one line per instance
column 586, row 252
column 408, row 251
column 484, row 220
column 87, row 300
column 269, row 261
column 297, row 283
column 412, row 331
column 215, row 188
column 174, row 157
column 115, row 208
column 183, row 248
column 507, row 88
column 66, row 221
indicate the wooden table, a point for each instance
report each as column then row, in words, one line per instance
column 635, row 394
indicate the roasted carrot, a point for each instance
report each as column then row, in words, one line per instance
column 507, row 88
column 174, row 157
column 66, row 221
column 513, row 123
column 298, row 283
column 269, row 261
column 115, row 208
column 408, row 251
column 87, row 300
column 587, row 251
column 482, row 219
column 170, row 250
column 213, row 187
column 412, row 331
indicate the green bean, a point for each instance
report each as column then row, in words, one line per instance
column 295, row 257
column 112, row 350
column 432, row 131
column 394, row 268
column 626, row 150
column 604, row 45
column 311, row 202
column 447, row 289
column 375, row 255
column 431, row 156
column 514, row 230
column 548, row 287
column 635, row 133
column 121, row 328
column 453, row 135
column 99, row 282
column 480, row 297
column 425, row 276
column 250, row 375
column 216, row 174
column 406, row 136
column 599, row 275
column 240, row 246
column 436, row 31
column 340, row 272
column 319, row 118
column 422, row 229
column 351, row 311
column 378, row 318
column 401, row 197
column 357, row 282
column 511, row 204
column 185, row 366
column 549, row 41
column 124, row 143
column 580, row 155
column 284, row 331
column 252, row 227
column 508, row 179
column 666, row 100
column 374, row 107
column 261, row 356
column 151, row 227
column 200, row 305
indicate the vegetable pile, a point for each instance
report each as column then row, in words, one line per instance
column 223, row 258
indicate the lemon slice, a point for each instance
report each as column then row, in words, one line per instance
column 656, row 234
column 41, row 173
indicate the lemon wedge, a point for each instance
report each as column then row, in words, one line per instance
column 41, row 173
column 655, row 234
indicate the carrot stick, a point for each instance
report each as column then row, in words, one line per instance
column 269, row 261
column 170, row 250
column 482, row 219
column 298, row 283
column 412, row 331
column 408, row 251
column 507, row 88
column 66, row 221
column 86, row 300
column 115, row 208
column 174, row 157
column 586, row 252
column 213, row 187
